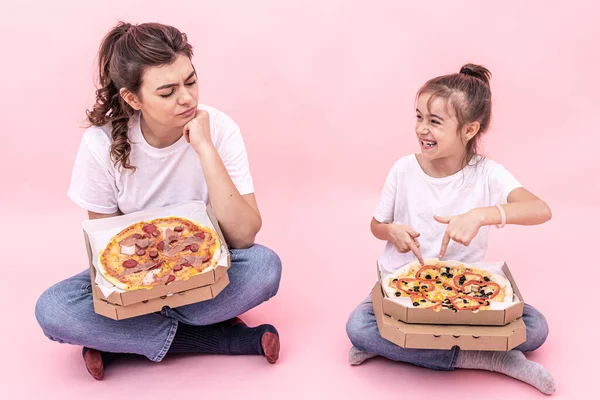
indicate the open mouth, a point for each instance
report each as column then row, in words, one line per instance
column 428, row 144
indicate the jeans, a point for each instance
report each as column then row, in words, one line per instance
column 364, row 334
column 66, row 314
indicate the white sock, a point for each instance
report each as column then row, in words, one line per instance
column 512, row 363
column 357, row 357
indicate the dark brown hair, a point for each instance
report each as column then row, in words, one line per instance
column 468, row 93
column 124, row 54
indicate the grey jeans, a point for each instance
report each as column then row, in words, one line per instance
column 364, row 334
column 66, row 314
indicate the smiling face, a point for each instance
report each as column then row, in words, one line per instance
column 168, row 95
column 437, row 129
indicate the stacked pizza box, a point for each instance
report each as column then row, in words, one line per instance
column 498, row 328
column 120, row 303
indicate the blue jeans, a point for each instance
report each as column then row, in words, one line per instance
column 364, row 334
column 66, row 314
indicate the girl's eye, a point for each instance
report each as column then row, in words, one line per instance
column 167, row 95
column 191, row 83
column 435, row 121
column 419, row 117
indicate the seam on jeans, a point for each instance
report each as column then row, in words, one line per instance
column 455, row 350
column 168, row 341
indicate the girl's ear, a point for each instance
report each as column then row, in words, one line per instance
column 130, row 99
column 470, row 130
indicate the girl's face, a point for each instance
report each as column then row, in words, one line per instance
column 437, row 129
column 169, row 93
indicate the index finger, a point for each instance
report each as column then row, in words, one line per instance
column 445, row 242
column 415, row 250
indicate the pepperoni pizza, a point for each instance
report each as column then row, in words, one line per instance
column 160, row 251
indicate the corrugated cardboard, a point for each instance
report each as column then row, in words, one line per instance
column 414, row 315
column 200, row 287
column 444, row 337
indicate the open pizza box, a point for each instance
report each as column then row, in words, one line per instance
column 119, row 304
column 413, row 315
column 444, row 337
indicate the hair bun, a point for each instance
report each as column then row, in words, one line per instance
column 477, row 71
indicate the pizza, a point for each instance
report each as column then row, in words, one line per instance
column 447, row 284
column 150, row 253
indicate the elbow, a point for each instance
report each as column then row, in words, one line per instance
column 546, row 213
column 244, row 240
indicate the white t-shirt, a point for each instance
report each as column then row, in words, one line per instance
column 411, row 197
column 163, row 176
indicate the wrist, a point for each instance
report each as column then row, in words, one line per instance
column 203, row 146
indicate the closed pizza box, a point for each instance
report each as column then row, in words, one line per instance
column 445, row 337
column 172, row 300
column 412, row 315
column 206, row 285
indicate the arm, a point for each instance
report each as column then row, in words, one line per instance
column 239, row 216
column 523, row 208
column 95, row 215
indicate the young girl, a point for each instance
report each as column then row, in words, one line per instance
column 150, row 145
column 440, row 203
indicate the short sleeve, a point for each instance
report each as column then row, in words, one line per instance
column 502, row 182
column 384, row 212
column 93, row 185
column 232, row 150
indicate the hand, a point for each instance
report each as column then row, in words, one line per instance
column 197, row 131
column 461, row 228
column 405, row 240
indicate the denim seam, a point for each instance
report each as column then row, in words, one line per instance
column 168, row 341
column 455, row 350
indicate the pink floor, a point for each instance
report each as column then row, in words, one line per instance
column 323, row 91
column 308, row 313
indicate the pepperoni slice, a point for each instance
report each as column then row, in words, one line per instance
column 156, row 233
column 171, row 278
column 178, row 229
column 130, row 263
column 153, row 253
column 206, row 259
column 149, row 228
column 194, row 248
column 140, row 252
column 177, row 268
column 200, row 235
column 161, row 245
column 137, row 236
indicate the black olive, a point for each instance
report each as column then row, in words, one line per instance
column 415, row 303
column 398, row 294
column 462, row 279
column 395, row 280
column 450, row 275
column 404, row 282
column 424, row 286
column 423, row 301
column 439, row 282
column 464, row 301
column 427, row 276
column 485, row 278
column 487, row 303
column 416, row 288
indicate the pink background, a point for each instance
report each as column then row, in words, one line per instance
column 323, row 91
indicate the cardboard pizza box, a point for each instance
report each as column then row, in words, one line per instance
column 444, row 337
column 413, row 315
column 171, row 300
column 211, row 282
